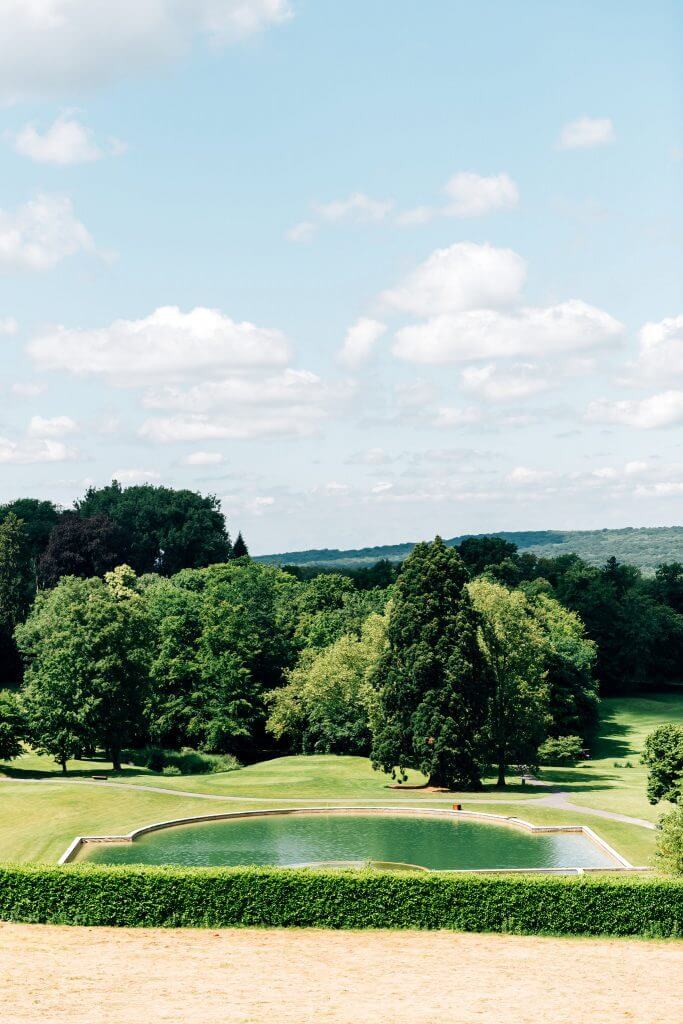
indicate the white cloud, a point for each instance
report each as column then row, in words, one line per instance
column 486, row 333
column 661, row 350
column 168, row 343
column 135, row 476
column 370, row 457
column 471, row 195
column 56, row 426
column 292, row 388
column 28, row 389
column 662, row 410
column 66, row 141
column 416, row 215
column 203, row 459
column 30, row 451
column 586, row 132
column 201, row 427
column 41, row 233
column 497, row 384
column 49, row 46
column 302, row 232
column 358, row 208
column 450, row 416
column 8, row 325
column 464, row 276
column 663, row 489
column 360, row 341
column 524, row 476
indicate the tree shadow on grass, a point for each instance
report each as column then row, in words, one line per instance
column 11, row 771
column 612, row 740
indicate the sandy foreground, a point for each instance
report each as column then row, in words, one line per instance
column 124, row 976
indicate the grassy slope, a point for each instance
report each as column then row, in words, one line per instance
column 39, row 818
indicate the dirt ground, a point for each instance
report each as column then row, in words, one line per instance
column 118, row 976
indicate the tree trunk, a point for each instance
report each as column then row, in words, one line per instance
column 116, row 760
column 501, row 775
column 63, row 764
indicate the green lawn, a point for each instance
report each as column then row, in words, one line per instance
column 40, row 813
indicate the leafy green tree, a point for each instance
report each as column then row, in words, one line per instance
column 165, row 530
column 86, row 644
column 224, row 635
column 663, row 756
column 38, row 517
column 12, row 726
column 513, row 648
column 670, row 841
column 569, row 659
column 433, row 680
column 16, row 589
column 478, row 553
column 325, row 707
column 667, row 585
column 560, row 750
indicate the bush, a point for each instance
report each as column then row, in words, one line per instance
column 670, row 841
column 563, row 750
column 186, row 761
column 288, row 897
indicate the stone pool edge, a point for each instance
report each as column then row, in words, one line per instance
column 621, row 864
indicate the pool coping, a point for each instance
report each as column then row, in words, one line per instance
column 621, row 864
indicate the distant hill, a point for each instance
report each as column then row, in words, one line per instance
column 646, row 547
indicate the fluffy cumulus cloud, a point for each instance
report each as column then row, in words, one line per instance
column 586, row 132
column 661, row 350
column 489, row 333
column 471, row 195
column 289, row 423
column 29, row 451
column 8, row 325
column 65, row 141
column 41, row 233
column 494, row 383
column 291, row 388
column 662, row 410
column 360, row 341
column 166, row 344
column 464, row 276
column 55, row 426
column 49, row 46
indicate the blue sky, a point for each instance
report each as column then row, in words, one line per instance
column 365, row 270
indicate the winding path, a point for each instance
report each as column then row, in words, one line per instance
column 558, row 799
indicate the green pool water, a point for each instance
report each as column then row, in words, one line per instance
column 436, row 843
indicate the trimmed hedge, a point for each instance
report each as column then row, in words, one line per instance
column 284, row 897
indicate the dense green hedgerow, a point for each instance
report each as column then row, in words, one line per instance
column 282, row 897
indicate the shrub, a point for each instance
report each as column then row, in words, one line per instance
column 663, row 755
column 562, row 750
column 186, row 761
column 670, row 841
column 286, row 897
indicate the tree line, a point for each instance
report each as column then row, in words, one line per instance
column 459, row 662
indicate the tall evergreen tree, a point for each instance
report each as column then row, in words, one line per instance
column 433, row 681
column 239, row 548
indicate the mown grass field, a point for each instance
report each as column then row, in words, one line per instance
column 41, row 812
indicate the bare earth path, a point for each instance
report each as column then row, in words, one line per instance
column 119, row 976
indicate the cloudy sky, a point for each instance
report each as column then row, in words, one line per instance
column 366, row 270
